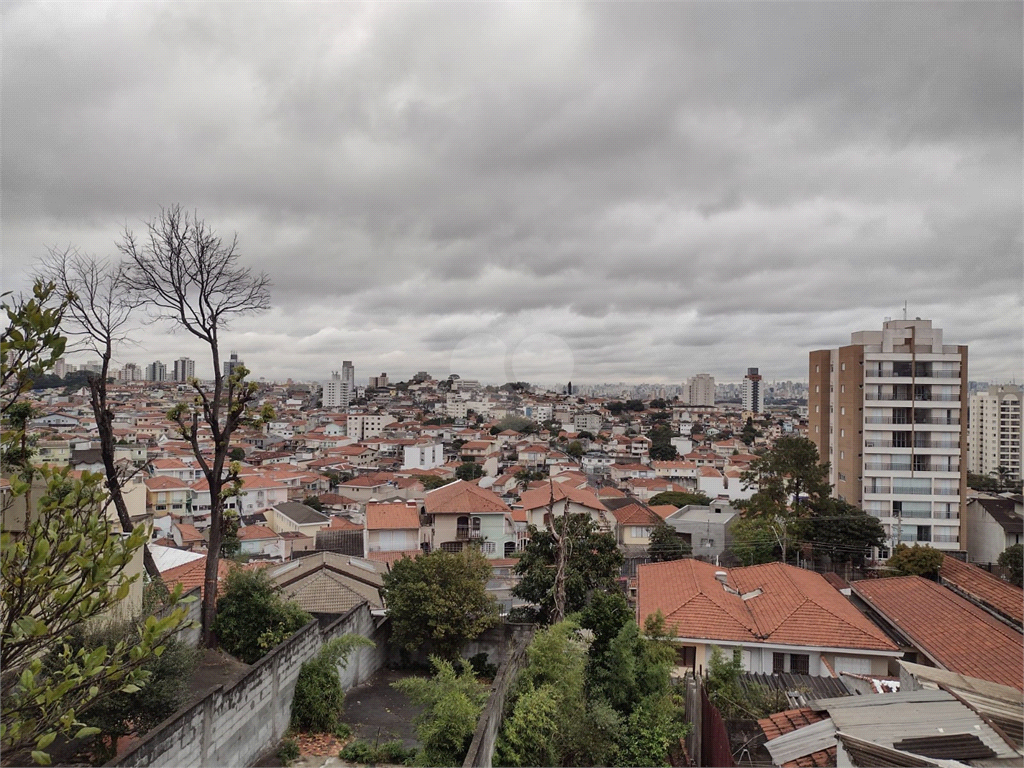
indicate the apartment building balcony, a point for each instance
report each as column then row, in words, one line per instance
column 465, row 533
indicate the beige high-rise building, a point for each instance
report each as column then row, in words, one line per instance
column 889, row 414
column 700, row 390
column 993, row 435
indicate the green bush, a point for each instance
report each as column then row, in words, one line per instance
column 342, row 731
column 288, row 751
column 392, row 753
column 252, row 617
column 482, row 667
column 318, row 698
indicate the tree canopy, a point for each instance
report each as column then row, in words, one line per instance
column 440, row 599
column 843, row 532
column 788, row 477
column 469, row 470
column 679, row 499
column 666, row 544
column 914, row 561
column 1012, row 559
column 661, row 443
column 592, row 561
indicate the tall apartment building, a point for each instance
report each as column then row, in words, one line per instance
column 156, row 371
column 184, row 369
column 889, row 414
column 336, row 392
column 130, row 372
column 700, row 390
column 60, row 367
column 378, row 382
column 348, row 375
column 231, row 363
column 752, row 391
column 993, row 435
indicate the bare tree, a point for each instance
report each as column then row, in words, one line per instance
column 98, row 313
column 182, row 271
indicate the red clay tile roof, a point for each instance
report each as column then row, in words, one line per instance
column 981, row 586
column 957, row 634
column 795, row 607
column 663, row 510
column 254, row 532
column 189, row 532
column 541, row 496
column 635, row 514
column 163, row 483
column 462, row 497
column 389, row 517
column 391, row 557
column 339, row 523
column 782, row 723
column 611, row 493
column 193, row 573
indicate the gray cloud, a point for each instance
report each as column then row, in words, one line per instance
column 668, row 187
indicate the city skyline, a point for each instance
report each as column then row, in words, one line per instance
column 610, row 191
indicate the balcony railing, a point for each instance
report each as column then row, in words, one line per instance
column 946, row 538
column 464, row 533
column 889, row 465
column 951, row 420
column 877, row 489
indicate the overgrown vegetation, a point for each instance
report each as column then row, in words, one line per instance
column 733, row 700
column 319, row 698
column 252, row 617
column 288, row 751
column 914, row 561
column 452, row 701
column 1012, row 559
column 440, row 599
column 389, row 753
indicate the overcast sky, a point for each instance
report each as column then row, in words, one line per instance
column 545, row 191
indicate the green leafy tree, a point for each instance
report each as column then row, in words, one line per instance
column 61, row 566
column 314, row 503
column 661, row 443
column 983, row 483
column 440, row 599
column 844, row 532
column 604, row 616
column 679, row 499
column 183, row 272
column 666, row 544
column 914, row 561
column 432, row 482
column 592, row 562
column 319, row 698
column 469, row 470
column 122, row 714
column 253, row 617
column 574, row 449
column 237, row 454
column 787, row 474
column 1012, row 559
column 756, row 540
column 452, row 702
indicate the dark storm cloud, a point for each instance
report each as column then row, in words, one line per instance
column 667, row 187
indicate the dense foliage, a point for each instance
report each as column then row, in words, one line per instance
column 318, row 699
column 469, row 470
column 1012, row 558
column 665, row 544
column 452, row 701
column 733, row 700
column 253, row 617
column 661, row 443
column 593, row 561
column 440, row 599
column 679, row 499
column 914, row 561
column 788, row 477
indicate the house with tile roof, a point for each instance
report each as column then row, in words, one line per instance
column 166, row 496
column 536, row 501
column 781, row 618
column 293, row 516
column 260, row 540
column 327, row 584
column 935, row 626
column 393, row 527
column 260, row 494
column 1000, row 598
column 463, row 513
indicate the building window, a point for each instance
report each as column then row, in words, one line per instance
column 817, row 388
column 488, row 547
column 842, row 411
column 778, row 663
column 707, row 543
column 842, row 366
column 799, row 664
column 452, row 546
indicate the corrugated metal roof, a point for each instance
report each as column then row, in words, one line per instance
column 816, row 737
column 954, row 746
column 799, row 689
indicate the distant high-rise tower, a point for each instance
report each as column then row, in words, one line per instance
column 994, row 432
column 184, row 369
column 700, row 390
column 232, row 363
column 889, row 415
column 336, row 392
column 752, row 392
column 156, row 371
column 568, row 389
column 130, row 372
column 348, row 375
column 60, row 368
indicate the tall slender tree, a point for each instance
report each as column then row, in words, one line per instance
column 181, row 270
column 98, row 313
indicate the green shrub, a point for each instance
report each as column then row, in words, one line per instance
column 392, row 753
column 252, row 617
column 482, row 666
column 288, row 751
column 318, row 697
column 342, row 731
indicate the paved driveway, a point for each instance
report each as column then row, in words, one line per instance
column 379, row 713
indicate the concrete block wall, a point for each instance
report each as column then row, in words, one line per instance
column 234, row 725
